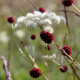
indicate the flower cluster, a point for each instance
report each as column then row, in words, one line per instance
column 37, row 17
column 35, row 73
column 67, row 49
column 67, row 2
column 46, row 37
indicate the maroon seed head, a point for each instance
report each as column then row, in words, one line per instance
column 35, row 73
column 10, row 19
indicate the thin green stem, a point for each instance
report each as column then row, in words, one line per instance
column 57, row 66
column 56, row 62
column 67, row 24
column 31, row 58
column 76, row 8
column 12, row 26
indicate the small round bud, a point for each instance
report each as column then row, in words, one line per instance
column 33, row 36
column 42, row 10
column 63, row 68
column 10, row 19
column 46, row 37
column 48, row 47
column 35, row 73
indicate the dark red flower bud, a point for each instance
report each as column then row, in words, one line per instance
column 35, row 73
column 48, row 47
column 67, row 49
column 46, row 37
column 42, row 9
column 67, row 2
column 33, row 36
column 63, row 68
column 10, row 19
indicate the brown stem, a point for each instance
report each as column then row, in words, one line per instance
column 69, row 11
column 33, row 5
column 64, row 40
column 9, row 56
column 66, row 56
column 77, row 55
column 67, row 24
column 74, row 70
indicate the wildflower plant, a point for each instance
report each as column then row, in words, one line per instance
column 32, row 20
column 41, row 33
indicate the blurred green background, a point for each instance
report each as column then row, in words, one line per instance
column 19, row 65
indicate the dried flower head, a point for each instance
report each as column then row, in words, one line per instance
column 10, row 19
column 35, row 73
column 67, row 49
column 63, row 68
column 33, row 36
column 46, row 37
column 42, row 9
column 67, row 2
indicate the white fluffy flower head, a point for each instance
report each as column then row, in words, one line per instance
column 21, row 20
column 29, row 16
column 47, row 21
column 20, row 33
column 36, row 18
column 4, row 37
column 49, row 29
column 31, row 24
column 37, row 14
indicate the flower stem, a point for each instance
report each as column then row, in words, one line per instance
column 76, row 8
column 67, row 24
column 57, row 66
column 63, row 51
column 8, row 75
column 31, row 58
column 56, row 62
column 33, row 5
column 12, row 26
column 9, row 56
